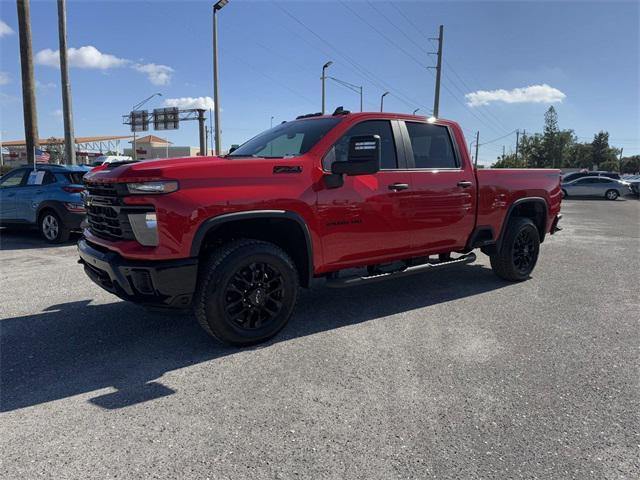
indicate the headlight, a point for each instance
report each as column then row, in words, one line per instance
column 145, row 228
column 146, row 188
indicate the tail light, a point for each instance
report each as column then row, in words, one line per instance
column 73, row 189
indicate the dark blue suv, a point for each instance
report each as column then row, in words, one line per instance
column 47, row 197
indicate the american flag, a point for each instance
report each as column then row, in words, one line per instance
column 42, row 156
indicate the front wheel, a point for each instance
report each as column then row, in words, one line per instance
column 246, row 292
column 611, row 194
column 519, row 251
column 52, row 228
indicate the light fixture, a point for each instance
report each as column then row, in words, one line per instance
column 221, row 3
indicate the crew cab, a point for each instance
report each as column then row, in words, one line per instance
column 235, row 237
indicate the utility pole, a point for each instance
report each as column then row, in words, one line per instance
column 477, row 146
column 203, row 141
column 67, row 111
column 28, row 84
column 382, row 100
column 216, row 100
column 524, row 156
column 436, row 99
column 517, row 143
column 620, row 162
column 361, row 98
column 324, row 78
column 503, row 152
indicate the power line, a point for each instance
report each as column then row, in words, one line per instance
column 383, row 35
column 363, row 72
column 499, row 138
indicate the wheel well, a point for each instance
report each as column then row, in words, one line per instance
column 536, row 210
column 44, row 210
column 286, row 233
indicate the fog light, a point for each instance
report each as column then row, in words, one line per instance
column 145, row 228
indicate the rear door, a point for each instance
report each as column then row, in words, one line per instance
column 443, row 188
column 365, row 220
column 9, row 187
column 34, row 190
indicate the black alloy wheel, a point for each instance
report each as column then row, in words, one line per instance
column 254, row 295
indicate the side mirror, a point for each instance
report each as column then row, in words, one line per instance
column 232, row 149
column 363, row 158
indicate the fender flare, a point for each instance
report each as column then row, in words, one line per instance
column 520, row 201
column 54, row 205
column 215, row 222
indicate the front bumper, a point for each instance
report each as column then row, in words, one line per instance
column 168, row 283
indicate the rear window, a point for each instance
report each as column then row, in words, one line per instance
column 74, row 177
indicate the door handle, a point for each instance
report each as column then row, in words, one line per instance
column 398, row 186
column 464, row 183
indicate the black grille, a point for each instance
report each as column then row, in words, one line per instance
column 101, row 189
column 109, row 222
column 106, row 216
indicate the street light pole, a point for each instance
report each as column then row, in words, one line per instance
column 216, row 104
column 324, row 78
column 133, row 109
column 382, row 100
column 415, row 111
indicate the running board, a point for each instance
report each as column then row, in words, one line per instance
column 358, row 280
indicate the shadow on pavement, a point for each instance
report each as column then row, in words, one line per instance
column 25, row 238
column 76, row 347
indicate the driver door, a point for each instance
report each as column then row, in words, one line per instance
column 9, row 187
column 365, row 221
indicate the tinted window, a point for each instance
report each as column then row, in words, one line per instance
column 289, row 139
column 589, row 180
column 604, row 180
column 339, row 152
column 74, row 177
column 12, row 179
column 431, row 146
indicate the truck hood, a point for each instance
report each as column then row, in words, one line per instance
column 195, row 169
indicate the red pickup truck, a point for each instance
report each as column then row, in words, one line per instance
column 234, row 237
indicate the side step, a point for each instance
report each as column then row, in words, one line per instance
column 358, row 280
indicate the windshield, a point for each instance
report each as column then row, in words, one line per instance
column 289, row 139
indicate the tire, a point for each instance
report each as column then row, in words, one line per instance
column 51, row 227
column 564, row 193
column 519, row 251
column 611, row 195
column 246, row 292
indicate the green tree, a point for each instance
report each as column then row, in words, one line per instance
column 509, row 161
column 580, row 155
column 602, row 152
column 609, row 166
column 631, row 164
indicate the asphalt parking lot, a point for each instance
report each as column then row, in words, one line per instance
column 451, row 374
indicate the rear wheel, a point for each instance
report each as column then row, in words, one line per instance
column 611, row 194
column 52, row 228
column 246, row 292
column 564, row 193
column 519, row 251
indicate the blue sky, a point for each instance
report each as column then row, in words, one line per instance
column 585, row 53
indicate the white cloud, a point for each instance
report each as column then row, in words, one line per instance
column 90, row 57
column 5, row 29
column 531, row 94
column 4, row 78
column 83, row 57
column 157, row 74
column 190, row 102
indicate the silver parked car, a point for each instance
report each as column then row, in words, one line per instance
column 608, row 188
